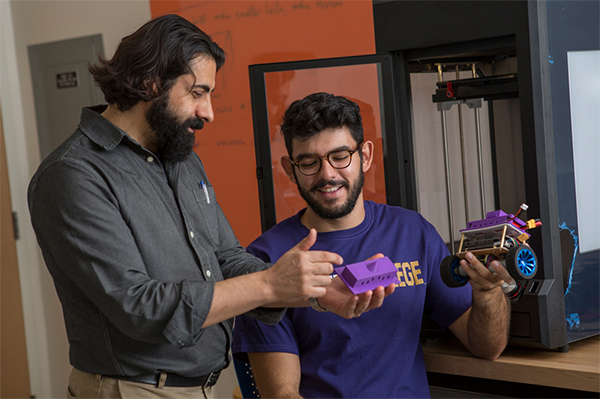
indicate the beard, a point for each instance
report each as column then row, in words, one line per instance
column 174, row 140
column 328, row 212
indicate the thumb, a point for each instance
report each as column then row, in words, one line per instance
column 307, row 242
column 376, row 256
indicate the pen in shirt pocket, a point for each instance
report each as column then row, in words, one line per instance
column 203, row 187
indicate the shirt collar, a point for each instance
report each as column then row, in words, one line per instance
column 99, row 129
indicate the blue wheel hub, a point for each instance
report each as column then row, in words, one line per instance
column 526, row 262
column 455, row 272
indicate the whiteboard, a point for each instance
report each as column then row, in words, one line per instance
column 584, row 94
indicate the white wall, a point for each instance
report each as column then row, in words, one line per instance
column 24, row 23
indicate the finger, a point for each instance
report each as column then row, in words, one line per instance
column 363, row 303
column 307, row 242
column 501, row 271
column 324, row 257
column 474, row 262
column 350, row 307
column 317, row 292
column 390, row 289
column 376, row 256
column 466, row 266
column 474, row 268
column 377, row 298
column 316, row 256
column 321, row 280
column 477, row 273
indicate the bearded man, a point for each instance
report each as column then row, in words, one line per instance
column 148, row 270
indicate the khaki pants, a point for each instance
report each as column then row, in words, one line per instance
column 87, row 385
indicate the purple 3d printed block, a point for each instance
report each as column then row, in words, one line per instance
column 364, row 276
column 495, row 218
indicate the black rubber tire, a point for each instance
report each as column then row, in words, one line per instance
column 521, row 262
column 450, row 272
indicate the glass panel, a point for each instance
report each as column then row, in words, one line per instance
column 360, row 83
column 573, row 43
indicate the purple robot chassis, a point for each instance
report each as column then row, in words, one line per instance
column 499, row 236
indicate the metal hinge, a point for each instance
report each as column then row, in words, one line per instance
column 16, row 225
column 259, row 172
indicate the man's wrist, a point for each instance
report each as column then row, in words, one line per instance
column 314, row 303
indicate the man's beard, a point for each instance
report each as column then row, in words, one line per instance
column 175, row 142
column 337, row 212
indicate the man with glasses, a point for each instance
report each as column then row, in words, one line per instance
column 313, row 354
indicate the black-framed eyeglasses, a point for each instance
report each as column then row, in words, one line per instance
column 310, row 165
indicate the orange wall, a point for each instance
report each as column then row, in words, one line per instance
column 255, row 32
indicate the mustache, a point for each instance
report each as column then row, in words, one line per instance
column 323, row 183
column 195, row 123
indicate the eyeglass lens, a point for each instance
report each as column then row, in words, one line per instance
column 312, row 163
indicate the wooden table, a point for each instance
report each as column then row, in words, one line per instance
column 578, row 369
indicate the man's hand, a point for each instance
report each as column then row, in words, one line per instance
column 301, row 274
column 341, row 301
column 482, row 278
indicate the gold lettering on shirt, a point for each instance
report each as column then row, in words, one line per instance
column 408, row 274
column 400, row 275
column 416, row 271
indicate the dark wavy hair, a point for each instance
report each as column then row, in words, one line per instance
column 157, row 53
column 319, row 111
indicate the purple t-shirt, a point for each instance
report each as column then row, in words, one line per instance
column 377, row 355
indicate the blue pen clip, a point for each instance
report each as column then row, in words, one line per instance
column 203, row 187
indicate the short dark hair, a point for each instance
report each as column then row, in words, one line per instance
column 319, row 111
column 156, row 54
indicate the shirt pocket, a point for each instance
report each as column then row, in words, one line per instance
column 207, row 204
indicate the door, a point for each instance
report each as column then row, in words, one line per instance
column 62, row 85
column 14, row 371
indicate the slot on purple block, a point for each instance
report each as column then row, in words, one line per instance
column 364, row 276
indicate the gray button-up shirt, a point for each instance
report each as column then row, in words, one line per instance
column 135, row 247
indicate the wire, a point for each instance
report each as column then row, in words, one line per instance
column 523, row 207
column 511, row 240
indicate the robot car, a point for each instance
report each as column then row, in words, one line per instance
column 501, row 237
